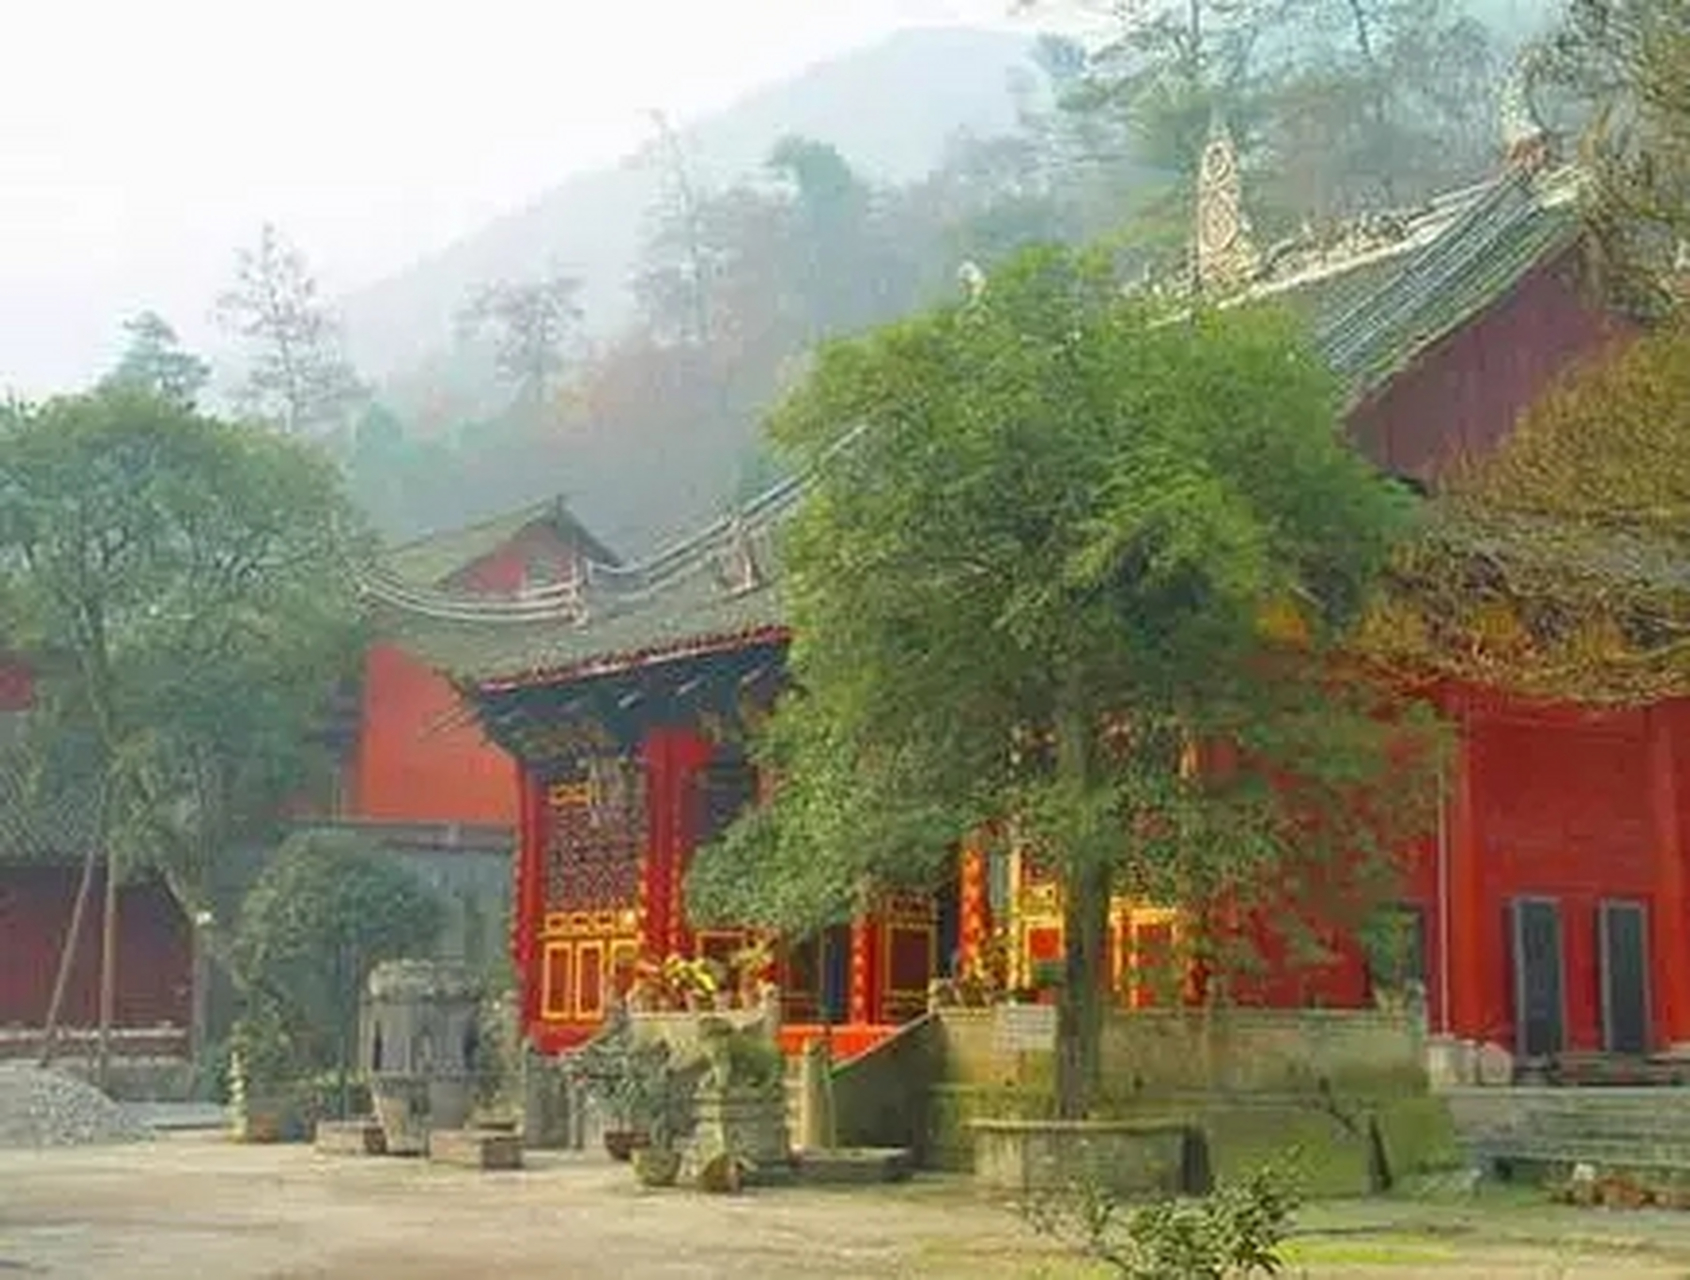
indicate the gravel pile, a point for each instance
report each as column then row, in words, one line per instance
column 47, row 1109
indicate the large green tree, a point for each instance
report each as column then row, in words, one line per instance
column 1035, row 583
column 298, row 374
column 182, row 586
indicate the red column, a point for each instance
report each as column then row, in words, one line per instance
column 865, row 972
column 657, row 915
column 1669, row 915
column 528, row 911
column 673, row 759
column 974, row 907
column 1465, row 948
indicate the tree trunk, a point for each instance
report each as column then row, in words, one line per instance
column 1080, row 1003
column 67, row 954
column 1087, row 881
column 108, row 971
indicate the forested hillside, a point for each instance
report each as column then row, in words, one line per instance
column 520, row 375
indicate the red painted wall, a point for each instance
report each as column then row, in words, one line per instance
column 1560, row 803
column 422, row 756
column 154, row 956
column 1467, row 390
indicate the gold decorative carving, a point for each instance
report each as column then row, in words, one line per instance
column 1226, row 255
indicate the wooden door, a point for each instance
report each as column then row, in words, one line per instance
column 1540, row 1016
column 1623, row 948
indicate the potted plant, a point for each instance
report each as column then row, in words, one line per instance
column 752, row 965
column 634, row 1084
column 661, row 1102
column 265, row 1078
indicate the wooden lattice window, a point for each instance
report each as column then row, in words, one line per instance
column 598, row 835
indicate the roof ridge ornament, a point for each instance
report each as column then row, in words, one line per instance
column 737, row 569
column 1527, row 143
column 973, row 281
column 1225, row 251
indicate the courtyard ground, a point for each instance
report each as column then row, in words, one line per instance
column 195, row 1206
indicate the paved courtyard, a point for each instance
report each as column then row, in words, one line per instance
column 194, row 1206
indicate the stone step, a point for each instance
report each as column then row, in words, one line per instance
column 475, row 1148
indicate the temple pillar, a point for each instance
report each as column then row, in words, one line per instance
column 659, row 915
column 974, row 908
column 865, row 971
column 673, row 759
column 1669, row 913
column 529, row 897
column 1466, row 954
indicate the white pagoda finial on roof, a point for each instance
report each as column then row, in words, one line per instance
column 1525, row 137
column 972, row 279
column 1226, row 254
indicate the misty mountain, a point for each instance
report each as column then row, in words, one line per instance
column 889, row 109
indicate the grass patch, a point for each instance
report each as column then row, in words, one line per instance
column 1381, row 1250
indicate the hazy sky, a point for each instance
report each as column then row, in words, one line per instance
column 140, row 143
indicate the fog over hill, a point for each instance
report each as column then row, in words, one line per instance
column 889, row 109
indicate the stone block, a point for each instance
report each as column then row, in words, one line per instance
column 751, row 1124
column 363, row 1137
column 1129, row 1158
column 1494, row 1066
column 852, row 1166
column 475, row 1148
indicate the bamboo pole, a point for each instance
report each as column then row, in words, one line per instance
column 67, row 954
column 108, row 971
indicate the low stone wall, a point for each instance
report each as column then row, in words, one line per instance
column 1244, row 1131
column 1231, row 1050
column 1258, row 1082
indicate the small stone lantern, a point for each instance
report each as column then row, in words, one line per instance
column 421, row 1048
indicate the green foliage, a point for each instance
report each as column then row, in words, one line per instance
column 1626, row 66
column 634, row 1080
column 155, row 363
column 533, row 323
column 298, row 376
column 182, row 586
column 1335, row 109
column 1059, row 503
column 326, row 911
column 1238, row 1231
column 1038, row 581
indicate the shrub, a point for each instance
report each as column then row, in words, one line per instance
column 326, row 911
column 1238, row 1231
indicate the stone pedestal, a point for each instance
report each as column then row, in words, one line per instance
column 815, row 1097
column 422, row 1049
column 750, row 1124
column 551, row 1109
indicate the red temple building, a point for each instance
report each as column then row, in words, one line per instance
column 44, row 843
column 1548, row 907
